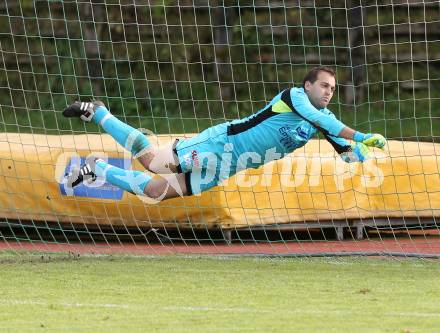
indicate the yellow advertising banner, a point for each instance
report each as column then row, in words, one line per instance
column 311, row 184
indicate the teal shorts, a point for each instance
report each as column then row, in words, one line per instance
column 202, row 158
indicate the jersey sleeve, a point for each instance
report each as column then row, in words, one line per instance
column 341, row 145
column 327, row 124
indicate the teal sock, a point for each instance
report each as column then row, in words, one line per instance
column 127, row 136
column 129, row 180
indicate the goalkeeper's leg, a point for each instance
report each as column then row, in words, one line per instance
column 157, row 188
column 158, row 161
column 127, row 136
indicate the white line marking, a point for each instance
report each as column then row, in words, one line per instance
column 68, row 305
column 302, row 311
column 224, row 309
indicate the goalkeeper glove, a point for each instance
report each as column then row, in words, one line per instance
column 370, row 139
column 359, row 153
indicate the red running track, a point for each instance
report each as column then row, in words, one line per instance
column 401, row 247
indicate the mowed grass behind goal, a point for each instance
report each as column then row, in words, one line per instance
column 218, row 294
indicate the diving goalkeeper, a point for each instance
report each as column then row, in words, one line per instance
column 191, row 166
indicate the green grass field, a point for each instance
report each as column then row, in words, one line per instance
column 218, row 294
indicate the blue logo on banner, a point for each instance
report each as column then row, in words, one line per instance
column 99, row 188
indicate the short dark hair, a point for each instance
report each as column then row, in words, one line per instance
column 312, row 75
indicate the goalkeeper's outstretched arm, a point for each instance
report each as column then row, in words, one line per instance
column 370, row 139
column 324, row 120
column 356, row 152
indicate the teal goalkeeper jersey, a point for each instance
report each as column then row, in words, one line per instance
column 285, row 124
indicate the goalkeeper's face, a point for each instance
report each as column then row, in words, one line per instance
column 321, row 91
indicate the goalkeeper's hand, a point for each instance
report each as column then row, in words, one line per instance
column 370, row 139
column 359, row 153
